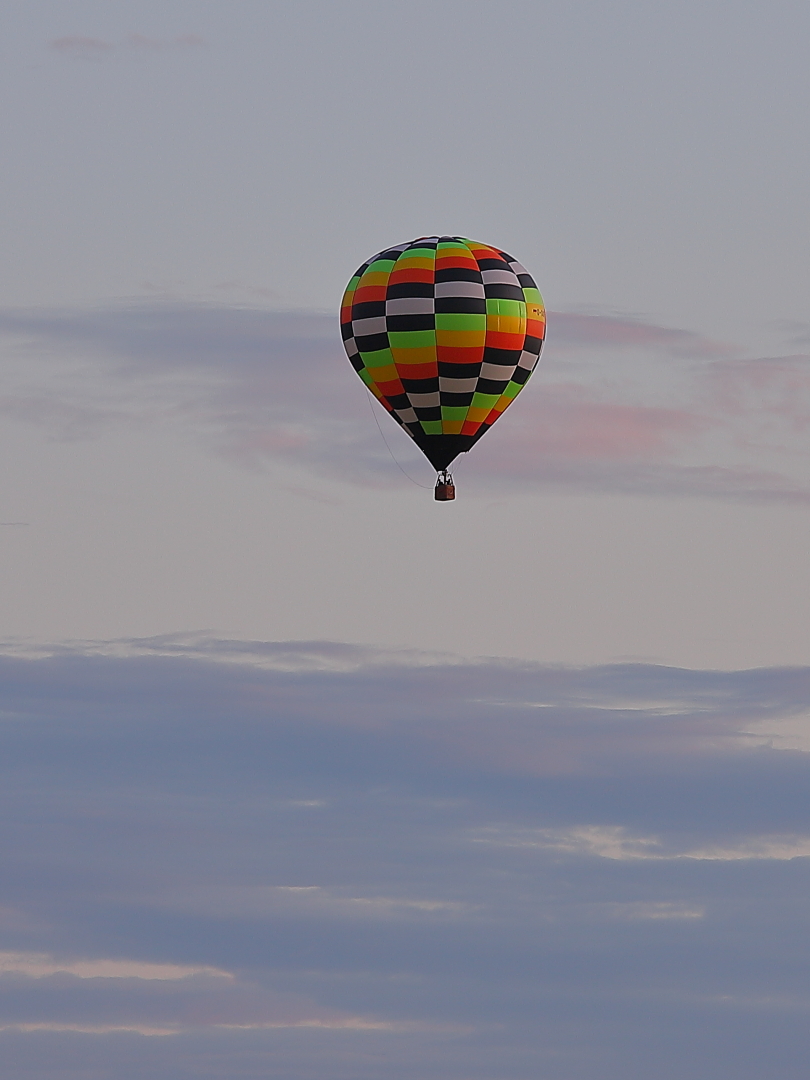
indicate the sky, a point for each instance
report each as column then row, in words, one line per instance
column 304, row 774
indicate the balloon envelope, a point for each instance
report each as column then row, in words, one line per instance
column 445, row 332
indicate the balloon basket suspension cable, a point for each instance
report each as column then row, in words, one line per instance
column 445, row 490
column 388, row 448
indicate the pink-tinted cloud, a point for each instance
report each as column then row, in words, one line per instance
column 82, row 46
column 94, row 48
column 771, row 388
column 141, row 41
column 569, row 422
column 613, row 331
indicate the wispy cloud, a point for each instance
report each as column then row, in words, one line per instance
column 307, row 901
column 656, row 910
column 616, row 331
column 85, row 47
column 615, row 842
column 82, row 45
column 42, row 966
column 97, row 997
column 616, row 404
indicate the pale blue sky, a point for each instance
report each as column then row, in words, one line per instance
column 646, row 162
column 644, row 157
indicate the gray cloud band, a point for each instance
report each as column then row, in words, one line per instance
column 618, row 405
column 209, row 844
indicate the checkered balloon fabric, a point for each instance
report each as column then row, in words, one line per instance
column 444, row 332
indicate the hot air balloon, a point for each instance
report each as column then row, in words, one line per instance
column 444, row 332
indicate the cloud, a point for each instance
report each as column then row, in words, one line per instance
column 89, row 1029
column 84, row 47
column 140, row 41
column 655, row 910
column 260, row 858
column 775, row 390
column 152, row 1003
column 614, row 842
column 306, row 901
column 566, row 423
column 616, row 331
column 613, row 407
column 41, row 965
column 513, row 715
column 91, row 48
